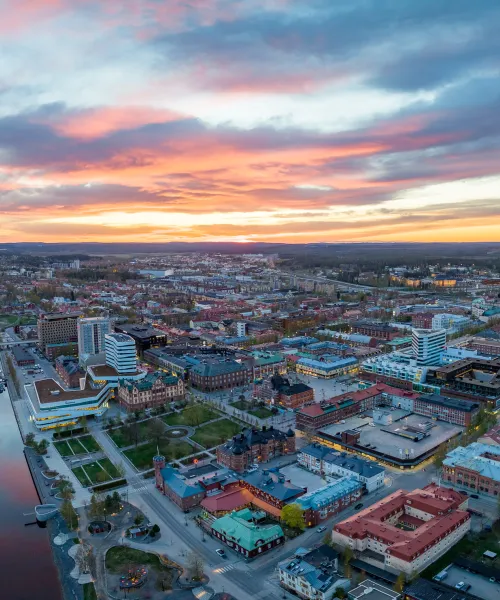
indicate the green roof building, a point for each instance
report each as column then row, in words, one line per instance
column 241, row 532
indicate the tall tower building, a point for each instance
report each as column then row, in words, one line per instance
column 91, row 337
column 427, row 345
column 57, row 329
column 120, row 353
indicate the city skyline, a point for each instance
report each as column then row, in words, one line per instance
column 227, row 120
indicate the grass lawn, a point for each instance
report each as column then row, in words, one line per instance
column 142, row 456
column 8, row 319
column 90, row 443
column 261, row 413
column 122, row 440
column 193, row 416
column 217, row 433
column 63, row 448
column 89, row 592
column 119, row 558
column 241, row 404
column 94, row 469
column 109, row 467
column 75, row 445
column 80, row 475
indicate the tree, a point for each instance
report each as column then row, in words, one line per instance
column 68, row 513
column 195, row 566
column 156, row 430
column 30, row 439
column 120, row 467
column 348, row 556
column 117, row 501
column 399, row 583
column 138, row 519
column 41, row 447
column 97, row 508
column 340, row 592
column 65, row 488
column 440, row 455
column 293, row 516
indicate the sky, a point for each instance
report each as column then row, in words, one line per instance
column 249, row 120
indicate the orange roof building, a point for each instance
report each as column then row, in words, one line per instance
column 407, row 530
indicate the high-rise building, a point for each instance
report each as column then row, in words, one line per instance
column 57, row 329
column 91, row 337
column 120, row 353
column 427, row 345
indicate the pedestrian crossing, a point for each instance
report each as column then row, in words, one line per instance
column 225, row 568
column 139, row 486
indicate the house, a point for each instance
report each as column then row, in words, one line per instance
column 321, row 459
column 241, row 532
column 312, row 574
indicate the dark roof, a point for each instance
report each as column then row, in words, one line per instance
column 210, row 368
column 320, row 554
column 422, row 589
column 140, row 331
column 364, row 468
column 242, row 442
column 454, row 403
column 274, row 484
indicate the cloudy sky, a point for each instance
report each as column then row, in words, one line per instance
column 264, row 120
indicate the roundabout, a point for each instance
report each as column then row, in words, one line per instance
column 177, row 432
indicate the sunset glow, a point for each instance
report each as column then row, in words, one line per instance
column 249, row 120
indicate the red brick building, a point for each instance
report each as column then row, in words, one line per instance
column 380, row 331
column 252, row 446
column 69, row 371
column 337, row 408
column 278, row 390
column 154, row 390
column 422, row 320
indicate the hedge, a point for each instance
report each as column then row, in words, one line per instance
column 102, row 487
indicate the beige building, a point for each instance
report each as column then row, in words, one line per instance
column 57, row 328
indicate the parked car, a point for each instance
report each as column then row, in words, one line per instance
column 321, row 529
column 474, row 496
column 462, row 586
column 358, row 506
column 221, row 552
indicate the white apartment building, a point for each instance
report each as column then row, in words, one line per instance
column 120, row 353
column 427, row 345
column 91, row 337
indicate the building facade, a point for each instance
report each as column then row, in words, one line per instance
column 211, row 375
column 121, row 353
column 407, row 530
column 255, row 446
column 475, row 468
column 323, row 460
column 156, row 389
column 91, row 336
column 427, row 345
column 69, row 371
column 57, row 328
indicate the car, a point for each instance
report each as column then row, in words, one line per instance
column 462, row 586
column 474, row 496
column 221, row 552
column 492, row 579
column 359, row 505
column 321, row 529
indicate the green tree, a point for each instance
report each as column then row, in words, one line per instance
column 41, row 447
column 30, row 438
column 138, row 519
column 156, row 431
column 348, row 556
column 400, row 583
column 440, row 455
column 65, row 488
column 340, row 592
column 68, row 513
column 96, row 509
column 293, row 516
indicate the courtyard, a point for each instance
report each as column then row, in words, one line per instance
column 192, row 416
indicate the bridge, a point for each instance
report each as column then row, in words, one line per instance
column 18, row 343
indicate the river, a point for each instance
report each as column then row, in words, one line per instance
column 25, row 554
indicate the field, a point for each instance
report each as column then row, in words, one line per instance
column 122, row 438
column 193, row 416
column 74, row 446
column 241, row 405
column 96, row 472
column 89, row 592
column 216, row 433
column 142, row 456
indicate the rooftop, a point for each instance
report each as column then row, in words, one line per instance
column 241, row 528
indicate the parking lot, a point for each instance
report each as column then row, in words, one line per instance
column 480, row 586
column 327, row 388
